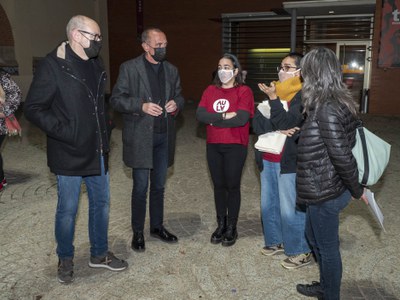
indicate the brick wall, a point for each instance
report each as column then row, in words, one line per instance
column 194, row 38
column 384, row 95
column 6, row 36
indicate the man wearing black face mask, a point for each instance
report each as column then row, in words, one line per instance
column 148, row 94
column 66, row 101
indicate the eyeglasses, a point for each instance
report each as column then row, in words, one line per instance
column 286, row 68
column 93, row 37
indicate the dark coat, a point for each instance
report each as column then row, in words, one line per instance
column 326, row 166
column 131, row 90
column 60, row 103
column 281, row 120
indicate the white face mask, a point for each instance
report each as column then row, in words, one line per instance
column 286, row 75
column 225, row 75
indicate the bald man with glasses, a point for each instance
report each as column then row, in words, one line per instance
column 66, row 101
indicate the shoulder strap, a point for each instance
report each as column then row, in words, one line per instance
column 361, row 133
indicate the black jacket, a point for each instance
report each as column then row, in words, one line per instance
column 281, row 120
column 326, row 166
column 60, row 103
column 131, row 90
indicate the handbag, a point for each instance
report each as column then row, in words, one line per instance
column 372, row 155
column 271, row 142
column 13, row 127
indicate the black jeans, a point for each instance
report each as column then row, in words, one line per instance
column 158, row 176
column 226, row 162
column 2, row 138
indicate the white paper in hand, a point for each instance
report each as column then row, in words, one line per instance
column 374, row 207
column 271, row 142
column 265, row 109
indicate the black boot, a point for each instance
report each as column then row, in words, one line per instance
column 218, row 234
column 138, row 241
column 231, row 234
column 311, row 290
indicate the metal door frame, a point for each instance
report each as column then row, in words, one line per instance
column 367, row 61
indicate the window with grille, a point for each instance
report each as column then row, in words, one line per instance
column 261, row 43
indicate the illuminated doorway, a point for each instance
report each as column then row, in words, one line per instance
column 355, row 58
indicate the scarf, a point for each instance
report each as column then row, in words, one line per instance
column 288, row 89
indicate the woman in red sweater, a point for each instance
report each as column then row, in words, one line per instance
column 226, row 107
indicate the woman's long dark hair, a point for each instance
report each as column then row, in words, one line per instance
column 236, row 64
column 323, row 81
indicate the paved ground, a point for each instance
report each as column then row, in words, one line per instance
column 193, row 268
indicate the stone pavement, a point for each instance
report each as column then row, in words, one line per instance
column 193, row 268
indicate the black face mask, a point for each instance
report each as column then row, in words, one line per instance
column 159, row 54
column 94, row 49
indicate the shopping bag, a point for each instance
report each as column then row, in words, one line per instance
column 372, row 155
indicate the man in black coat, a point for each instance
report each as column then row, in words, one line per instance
column 148, row 94
column 66, row 101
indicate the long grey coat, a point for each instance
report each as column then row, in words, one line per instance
column 131, row 90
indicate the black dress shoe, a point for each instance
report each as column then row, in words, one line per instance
column 162, row 234
column 138, row 242
column 311, row 290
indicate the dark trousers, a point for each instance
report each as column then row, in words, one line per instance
column 158, row 177
column 2, row 138
column 226, row 162
column 322, row 230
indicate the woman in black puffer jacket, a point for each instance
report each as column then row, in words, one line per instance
column 327, row 175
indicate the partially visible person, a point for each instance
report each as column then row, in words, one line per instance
column 283, row 221
column 244, row 75
column 148, row 94
column 226, row 107
column 327, row 174
column 66, row 101
column 10, row 99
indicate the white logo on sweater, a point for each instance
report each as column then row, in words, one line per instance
column 221, row 105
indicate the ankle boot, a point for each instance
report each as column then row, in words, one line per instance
column 231, row 234
column 218, row 234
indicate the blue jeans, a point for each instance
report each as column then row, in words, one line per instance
column 69, row 188
column 322, row 229
column 283, row 222
column 158, row 177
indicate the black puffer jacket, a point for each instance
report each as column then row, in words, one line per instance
column 326, row 166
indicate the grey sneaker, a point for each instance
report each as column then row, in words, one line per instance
column 273, row 250
column 109, row 261
column 65, row 273
column 297, row 261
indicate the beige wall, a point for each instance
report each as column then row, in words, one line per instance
column 39, row 26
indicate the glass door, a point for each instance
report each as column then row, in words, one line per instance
column 355, row 58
